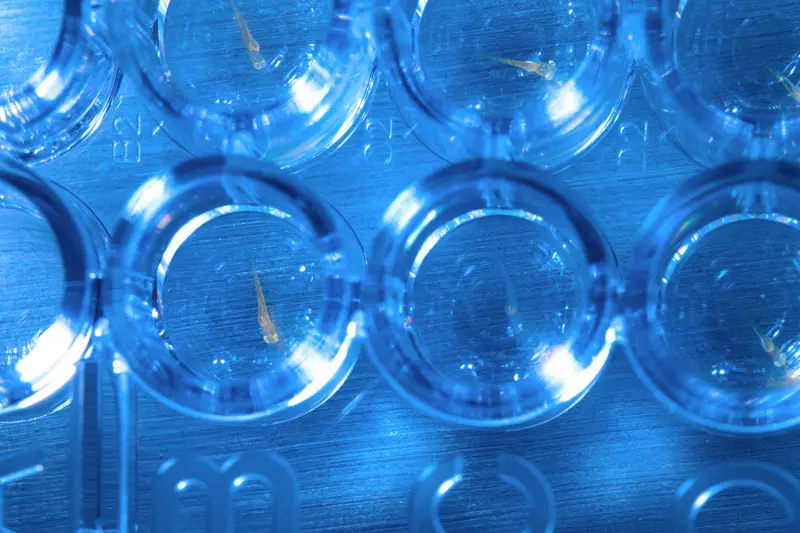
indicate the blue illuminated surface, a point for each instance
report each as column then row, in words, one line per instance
column 614, row 462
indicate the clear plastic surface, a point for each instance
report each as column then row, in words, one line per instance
column 490, row 299
column 51, row 252
column 723, row 77
column 537, row 81
column 21, row 56
column 273, row 333
column 613, row 462
column 436, row 480
column 775, row 482
column 50, row 258
column 58, row 82
column 710, row 311
column 284, row 81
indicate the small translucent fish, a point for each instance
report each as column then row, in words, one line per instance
column 794, row 90
column 767, row 343
column 253, row 47
column 267, row 326
column 515, row 322
column 545, row 70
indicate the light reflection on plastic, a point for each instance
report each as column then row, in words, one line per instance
column 51, row 87
column 195, row 223
column 190, row 227
column 421, row 4
column 447, row 485
column 428, row 245
column 476, row 214
column 701, row 501
column 315, row 369
column 307, row 94
column 559, row 366
column 564, row 372
column 46, row 352
column 403, row 209
column 430, row 217
column 567, row 102
column 148, row 197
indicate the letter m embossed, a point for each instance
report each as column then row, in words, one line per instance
column 221, row 484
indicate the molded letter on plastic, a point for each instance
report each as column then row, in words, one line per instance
column 437, row 479
column 695, row 492
column 175, row 475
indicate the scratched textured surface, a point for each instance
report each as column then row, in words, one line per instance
column 614, row 461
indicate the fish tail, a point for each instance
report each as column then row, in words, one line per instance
column 235, row 11
column 259, row 293
column 751, row 321
column 509, row 62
